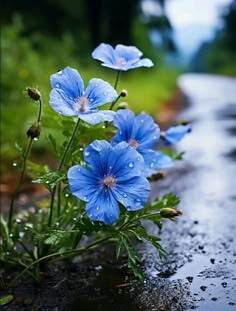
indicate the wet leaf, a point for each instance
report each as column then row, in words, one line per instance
column 4, row 300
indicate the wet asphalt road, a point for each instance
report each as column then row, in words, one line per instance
column 200, row 271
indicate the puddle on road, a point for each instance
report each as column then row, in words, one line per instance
column 212, row 281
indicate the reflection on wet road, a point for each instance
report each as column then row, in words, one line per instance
column 208, row 190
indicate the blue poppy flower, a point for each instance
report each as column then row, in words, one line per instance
column 121, row 57
column 175, row 133
column 69, row 98
column 112, row 176
column 142, row 133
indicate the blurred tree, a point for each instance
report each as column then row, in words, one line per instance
column 89, row 21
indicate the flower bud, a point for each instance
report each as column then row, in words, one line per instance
column 123, row 93
column 168, row 212
column 122, row 105
column 33, row 93
column 34, row 131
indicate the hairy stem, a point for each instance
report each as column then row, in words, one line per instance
column 25, row 157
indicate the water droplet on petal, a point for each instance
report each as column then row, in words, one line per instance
column 97, row 208
column 105, row 93
column 138, row 159
column 152, row 165
column 84, row 198
column 87, row 153
column 124, row 195
column 131, row 164
column 79, row 169
column 137, row 202
column 155, row 137
column 60, row 72
column 141, row 120
column 57, row 85
column 120, row 132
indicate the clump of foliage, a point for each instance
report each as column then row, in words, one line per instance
column 101, row 186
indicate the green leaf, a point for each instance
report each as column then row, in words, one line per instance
column 5, row 299
column 172, row 153
column 50, row 180
column 154, row 240
column 19, row 148
column 52, row 140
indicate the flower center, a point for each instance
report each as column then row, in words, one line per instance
column 133, row 143
column 82, row 104
column 121, row 61
column 109, row 181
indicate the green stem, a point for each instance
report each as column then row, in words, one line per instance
column 59, row 169
column 114, row 102
column 117, row 79
column 15, row 193
column 68, row 253
column 135, row 219
column 25, row 157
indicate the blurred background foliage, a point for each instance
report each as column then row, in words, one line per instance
column 38, row 39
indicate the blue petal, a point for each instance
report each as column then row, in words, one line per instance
column 176, row 133
column 97, row 117
column 154, row 161
column 96, row 155
column 133, row 193
column 123, row 120
column 99, row 93
column 105, row 53
column 103, row 207
column 146, row 131
column 126, row 162
column 129, row 53
column 145, row 62
column 68, row 80
column 61, row 103
column 82, row 182
column 140, row 128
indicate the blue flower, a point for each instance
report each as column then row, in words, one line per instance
column 175, row 133
column 141, row 133
column 69, row 98
column 112, row 176
column 122, row 57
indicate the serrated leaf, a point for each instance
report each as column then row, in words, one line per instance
column 50, row 180
column 154, row 240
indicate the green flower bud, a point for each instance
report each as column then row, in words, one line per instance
column 34, row 131
column 123, row 93
column 168, row 212
column 122, row 105
column 33, row 93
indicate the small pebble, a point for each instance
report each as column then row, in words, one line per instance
column 213, row 298
column 212, row 260
column 190, row 279
column 224, row 284
column 203, row 288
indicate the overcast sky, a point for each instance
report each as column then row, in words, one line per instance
column 186, row 12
